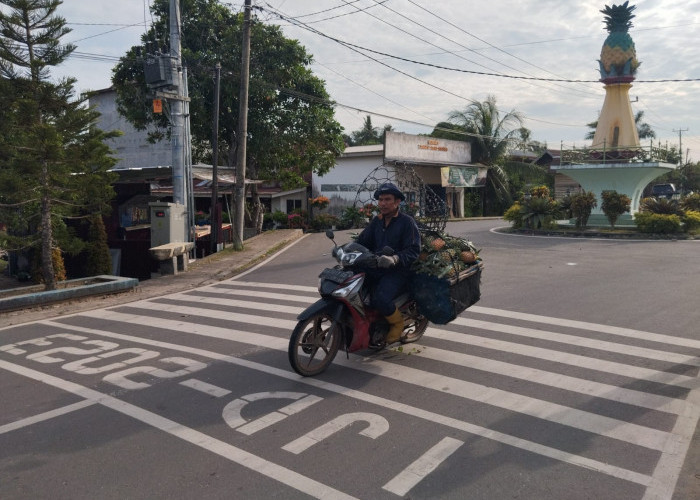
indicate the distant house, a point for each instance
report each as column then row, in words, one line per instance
column 442, row 165
column 132, row 148
column 563, row 184
column 142, row 161
column 341, row 183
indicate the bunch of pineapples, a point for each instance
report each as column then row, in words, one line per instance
column 445, row 256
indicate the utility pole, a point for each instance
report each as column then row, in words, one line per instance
column 680, row 143
column 242, row 132
column 177, row 108
column 213, row 213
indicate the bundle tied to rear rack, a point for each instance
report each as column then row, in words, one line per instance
column 446, row 278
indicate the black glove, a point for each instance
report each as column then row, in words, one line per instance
column 387, row 261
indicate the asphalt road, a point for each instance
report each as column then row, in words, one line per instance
column 575, row 376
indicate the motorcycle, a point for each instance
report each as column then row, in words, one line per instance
column 343, row 315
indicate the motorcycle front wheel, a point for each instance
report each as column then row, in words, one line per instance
column 313, row 345
column 415, row 329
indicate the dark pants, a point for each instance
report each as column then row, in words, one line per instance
column 387, row 284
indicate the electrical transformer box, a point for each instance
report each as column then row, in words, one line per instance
column 168, row 223
column 160, row 71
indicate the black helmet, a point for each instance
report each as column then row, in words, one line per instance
column 389, row 188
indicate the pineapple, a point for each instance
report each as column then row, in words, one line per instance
column 467, row 257
column 618, row 58
column 437, row 244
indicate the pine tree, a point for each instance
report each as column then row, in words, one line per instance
column 54, row 161
column 99, row 260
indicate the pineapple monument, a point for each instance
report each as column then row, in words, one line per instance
column 616, row 160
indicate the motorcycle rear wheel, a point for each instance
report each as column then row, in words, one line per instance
column 313, row 345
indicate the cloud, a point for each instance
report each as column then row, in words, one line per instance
column 543, row 39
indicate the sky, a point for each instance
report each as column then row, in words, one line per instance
column 447, row 46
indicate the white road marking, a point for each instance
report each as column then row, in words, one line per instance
column 553, row 412
column 42, row 417
column 594, row 327
column 547, row 451
column 378, row 425
column 212, row 390
column 241, row 457
column 238, row 288
column 583, row 386
column 532, row 333
column 591, row 363
column 558, row 380
column 230, row 290
column 232, row 411
column 427, row 463
column 673, row 456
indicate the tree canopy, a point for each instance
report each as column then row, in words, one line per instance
column 367, row 135
column 485, row 129
column 54, row 164
column 491, row 134
column 291, row 126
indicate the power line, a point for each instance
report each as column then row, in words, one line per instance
column 352, row 47
column 482, row 40
column 359, row 48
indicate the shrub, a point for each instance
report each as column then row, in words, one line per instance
column 691, row 221
column 581, row 206
column 319, row 202
column 352, row 218
column 538, row 212
column 297, row 220
column 514, row 215
column 59, row 266
column 660, row 206
column 648, row 222
column 278, row 217
column 539, row 192
column 691, row 202
column 565, row 207
column 97, row 259
column 324, row 221
column 614, row 204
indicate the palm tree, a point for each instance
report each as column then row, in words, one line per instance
column 368, row 134
column 489, row 134
column 644, row 130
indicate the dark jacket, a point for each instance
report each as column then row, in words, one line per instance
column 401, row 235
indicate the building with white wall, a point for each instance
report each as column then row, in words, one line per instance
column 441, row 164
column 132, row 148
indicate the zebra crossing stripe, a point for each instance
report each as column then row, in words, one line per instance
column 591, row 363
column 630, row 350
column 594, row 327
column 424, row 465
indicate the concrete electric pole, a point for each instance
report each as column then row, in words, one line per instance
column 242, row 132
column 213, row 212
column 680, row 143
column 177, row 108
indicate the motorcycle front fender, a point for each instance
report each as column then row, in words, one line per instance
column 320, row 305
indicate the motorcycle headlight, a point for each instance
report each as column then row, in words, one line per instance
column 348, row 289
column 348, row 259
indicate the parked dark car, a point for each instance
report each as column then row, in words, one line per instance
column 663, row 190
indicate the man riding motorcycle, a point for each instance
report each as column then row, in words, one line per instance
column 397, row 230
